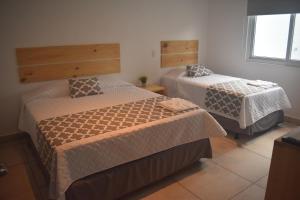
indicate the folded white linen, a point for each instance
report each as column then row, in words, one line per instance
column 263, row 84
column 177, row 104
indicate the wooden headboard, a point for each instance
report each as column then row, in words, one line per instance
column 59, row 62
column 179, row 52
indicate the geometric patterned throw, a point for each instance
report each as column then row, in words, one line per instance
column 227, row 97
column 57, row 131
column 84, row 87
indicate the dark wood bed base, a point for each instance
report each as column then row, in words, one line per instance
column 118, row 181
column 121, row 180
column 260, row 126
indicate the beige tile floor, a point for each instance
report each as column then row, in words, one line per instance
column 238, row 171
column 17, row 183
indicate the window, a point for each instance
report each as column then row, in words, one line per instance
column 275, row 38
column 296, row 41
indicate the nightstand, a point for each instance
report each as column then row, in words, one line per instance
column 155, row 88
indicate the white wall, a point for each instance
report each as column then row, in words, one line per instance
column 227, row 30
column 138, row 25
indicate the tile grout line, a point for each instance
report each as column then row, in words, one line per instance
column 267, row 158
column 27, row 163
column 234, row 172
column 263, row 156
column 242, row 147
column 251, row 182
column 259, row 180
column 239, row 145
column 195, row 195
column 231, row 171
column 230, row 198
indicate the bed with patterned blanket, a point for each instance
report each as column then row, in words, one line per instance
column 238, row 104
column 108, row 135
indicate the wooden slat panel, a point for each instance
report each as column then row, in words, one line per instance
column 173, row 60
column 61, row 71
column 179, row 46
column 66, row 54
column 59, row 62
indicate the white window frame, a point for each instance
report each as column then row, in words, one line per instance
column 251, row 41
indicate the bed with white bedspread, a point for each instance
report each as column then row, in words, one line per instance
column 88, row 154
column 254, row 106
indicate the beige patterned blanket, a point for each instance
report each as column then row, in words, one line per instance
column 227, row 97
column 58, row 132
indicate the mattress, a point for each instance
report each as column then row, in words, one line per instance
column 90, row 155
column 254, row 106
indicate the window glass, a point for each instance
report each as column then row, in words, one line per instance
column 295, row 54
column 271, row 36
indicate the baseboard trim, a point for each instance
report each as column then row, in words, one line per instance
column 12, row 137
column 292, row 120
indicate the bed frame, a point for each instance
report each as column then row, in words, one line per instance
column 176, row 53
column 122, row 180
column 60, row 62
column 262, row 125
column 119, row 181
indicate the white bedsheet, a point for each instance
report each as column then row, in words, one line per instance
column 81, row 158
column 254, row 106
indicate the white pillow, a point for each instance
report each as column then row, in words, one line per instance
column 51, row 89
column 107, row 82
